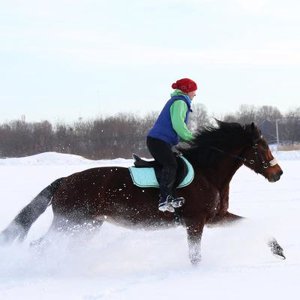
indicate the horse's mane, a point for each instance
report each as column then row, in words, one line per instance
column 224, row 136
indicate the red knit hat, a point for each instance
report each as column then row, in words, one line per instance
column 186, row 85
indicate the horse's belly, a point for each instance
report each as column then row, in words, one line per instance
column 148, row 223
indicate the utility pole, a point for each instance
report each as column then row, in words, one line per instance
column 277, row 133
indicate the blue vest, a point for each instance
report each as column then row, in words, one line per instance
column 163, row 128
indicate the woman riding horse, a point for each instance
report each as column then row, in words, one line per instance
column 108, row 194
column 168, row 128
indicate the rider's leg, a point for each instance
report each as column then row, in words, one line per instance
column 163, row 153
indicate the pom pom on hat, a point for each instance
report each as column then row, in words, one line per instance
column 186, row 85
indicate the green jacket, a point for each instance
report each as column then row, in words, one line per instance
column 178, row 112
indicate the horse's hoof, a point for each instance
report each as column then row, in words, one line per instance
column 280, row 255
column 276, row 249
column 195, row 261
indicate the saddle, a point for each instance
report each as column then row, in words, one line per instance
column 147, row 173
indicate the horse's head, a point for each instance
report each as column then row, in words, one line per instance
column 233, row 142
column 258, row 156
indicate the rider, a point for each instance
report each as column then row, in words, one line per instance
column 171, row 126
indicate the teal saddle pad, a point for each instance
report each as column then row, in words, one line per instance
column 146, row 178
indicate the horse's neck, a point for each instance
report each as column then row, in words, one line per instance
column 223, row 171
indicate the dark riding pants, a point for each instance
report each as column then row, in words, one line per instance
column 162, row 152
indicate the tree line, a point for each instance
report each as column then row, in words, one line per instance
column 124, row 134
column 275, row 126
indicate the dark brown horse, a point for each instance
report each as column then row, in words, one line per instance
column 108, row 194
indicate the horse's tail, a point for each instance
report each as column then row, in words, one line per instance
column 21, row 224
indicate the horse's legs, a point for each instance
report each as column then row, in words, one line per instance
column 57, row 226
column 70, row 228
column 226, row 219
column 194, row 231
column 230, row 218
column 276, row 248
column 74, row 228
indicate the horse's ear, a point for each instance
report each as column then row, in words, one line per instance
column 219, row 123
column 254, row 131
column 251, row 127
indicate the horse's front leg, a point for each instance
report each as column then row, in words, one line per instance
column 276, row 248
column 223, row 220
column 194, row 232
column 230, row 218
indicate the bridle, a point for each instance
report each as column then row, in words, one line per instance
column 258, row 158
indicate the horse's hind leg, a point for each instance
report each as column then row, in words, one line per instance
column 46, row 239
column 68, row 228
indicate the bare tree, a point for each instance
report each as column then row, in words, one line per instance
column 123, row 134
column 290, row 127
column 266, row 118
column 199, row 116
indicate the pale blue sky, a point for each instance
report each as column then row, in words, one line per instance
column 65, row 59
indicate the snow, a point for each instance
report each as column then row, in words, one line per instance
column 119, row 263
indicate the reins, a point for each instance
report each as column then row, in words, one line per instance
column 257, row 155
column 243, row 159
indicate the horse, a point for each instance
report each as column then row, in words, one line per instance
column 108, row 194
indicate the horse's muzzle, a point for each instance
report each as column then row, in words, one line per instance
column 275, row 176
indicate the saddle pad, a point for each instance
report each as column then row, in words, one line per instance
column 145, row 177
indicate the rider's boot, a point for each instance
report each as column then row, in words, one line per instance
column 169, row 203
column 164, row 205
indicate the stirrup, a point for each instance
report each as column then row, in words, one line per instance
column 177, row 202
column 170, row 203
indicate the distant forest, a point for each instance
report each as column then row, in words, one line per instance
column 124, row 134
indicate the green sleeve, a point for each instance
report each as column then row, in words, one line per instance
column 178, row 112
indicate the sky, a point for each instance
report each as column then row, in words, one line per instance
column 64, row 60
